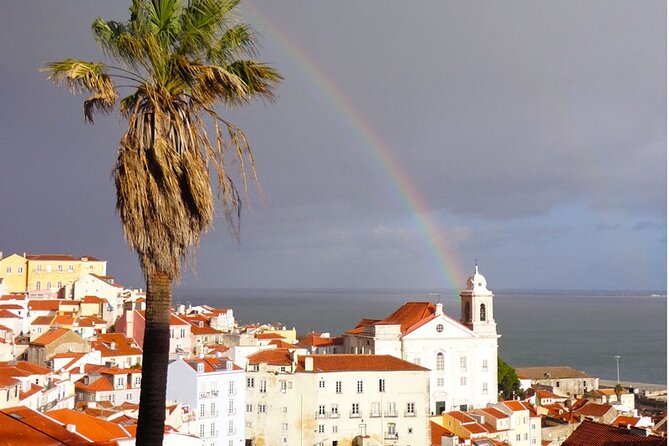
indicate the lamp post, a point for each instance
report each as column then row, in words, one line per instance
column 617, row 368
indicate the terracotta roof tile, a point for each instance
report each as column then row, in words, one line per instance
column 42, row 320
column 91, row 427
column 24, row 426
column 123, row 346
column 409, row 314
column 595, row 434
column 514, row 406
column 94, row 300
column 44, row 304
column 6, row 314
column 594, row 410
column 50, row 336
column 276, row 356
column 495, row 413
column 623, row 421
column 362, row 363
column 461, row 417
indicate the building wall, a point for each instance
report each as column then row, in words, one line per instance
column 14, row 272
column 60, row 271
column 307, row 408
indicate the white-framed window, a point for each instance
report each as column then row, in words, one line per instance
column 19, row 270
column 440, row 382
column 284, row 426
column 334, row 429
column 128, row 396
column 202, row 430
column 249, row 408
column 485, row 388
column 321, row 428
column 440, row 361
column 60, row 268
column 382, row 385
column 321, row 410
column 359, row 386
column 355, row 409
column 263, row 386
column 411, row 408
column 463, row 380
column 262, row 408
column 212, row 429
column 231, row 427
column 284, row 439
column 250, row 382
column 59, row 285
column 48, row 285
column 283, row 385
column 485, row 365
column 463, row 363
column 337, row 386
column 392, row 429
column 202, row 410
column 39, row 268
column 231, row 407
column 284, row 409
column 440, row 328
column 8, row 269
column 38, row 285
column 231, row 388
column 70, row 268
column 321, row 383
column 334, row 409
column 48, row 268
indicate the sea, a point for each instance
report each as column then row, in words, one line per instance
column 581, row 329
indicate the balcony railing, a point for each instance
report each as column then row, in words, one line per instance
column 354, row 414
column 409, row 414
column 375, row 414
column 334, row 414
column 390, row 413
column 390, row 435
column 211, row 394
column 321, row 415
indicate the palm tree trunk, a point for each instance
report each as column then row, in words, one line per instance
column 150, row 426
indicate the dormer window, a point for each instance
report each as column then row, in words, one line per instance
column 200, row 367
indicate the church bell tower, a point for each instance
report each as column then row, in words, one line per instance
column 476, row 309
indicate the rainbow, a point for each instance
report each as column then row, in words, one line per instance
column 378, row 148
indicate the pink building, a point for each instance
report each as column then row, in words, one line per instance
column 132, row 323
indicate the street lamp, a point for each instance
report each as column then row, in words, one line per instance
column 617, row 367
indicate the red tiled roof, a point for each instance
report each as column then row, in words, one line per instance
column 316, row 340
column 281, row 344
column 11, row 307
column 94, row 428
column 94, row 300
column 595, row 434
column 362, row 363
column 44, row 304
column 123, row 346
column 13, row 297
column 594, row 410
column 277, row 356
column 52, row 257
column 6, row 314
column 461, row 417
column 495, row 413
column 23, row 426
column 623, row 421
column 211, row 364
column 42, row 320
column 514, row 405
column 7, row 381
column 50, row 336
column 34, row 388
column 102, row 384
column 409, row 314
column 268, row 336
column 30, row 367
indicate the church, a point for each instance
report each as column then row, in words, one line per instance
column 462, row 355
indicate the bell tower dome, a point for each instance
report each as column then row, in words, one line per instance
column 476, row 305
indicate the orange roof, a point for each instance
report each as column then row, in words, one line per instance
column 7, row 381
column 594, row 410
column 268, row 336
column 34, row 388
column 211, row 364
column 475, row 428
column 29, row 367
column 514, row 405
column 362, row 363
column 277, row 356
column 316, row 340
column 624, row 421
column 42, row 320
column 50, row 336
column 63, row 319
column 409, row 315
column 6, row 314
column 11, row 307
column 123, row 345
column 89, row 321
column 48, row 257
column 44, row 304
column 437, row 431
column 495, row 413
column 546, row 394
column 91, row 427
column 21, row 425
column 206, row 330
column 281, row 344
column 461, row 417
column 13, row 297
column 102, row 384
column 595, row 434
column 94, row 300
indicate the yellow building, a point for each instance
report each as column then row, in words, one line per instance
column 46, row 272
column 14, row 273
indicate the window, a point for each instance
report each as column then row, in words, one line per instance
column 321, row 428
column 249, row 408
column 19, row 270
column 334, row 429
column 557, row 383
column 263, row 386
column 48, row 285
column 60, row 268
column 382, row 385
column 231, row 407
column 411, row 409
column 321, row 410
column 202, row 431
column 250, row 382
column 440, row 328
column 517, row 437
column 231, row 388
column 284, row 409
column 440, row 382
column 138, row 380
column 8, row 269
column 416, row 360
column 467, row 311
column 283, row 385
column 359, row 386
column 482, row 312
column 321, row 384
column 201, row 410
column 585, row 384
column 231, row 427
column 39, row 268
column 183, row 332
column 440, row 361
column 463, row 380
column 284, row 426
column 337, row 386
column 70, row 268
column 463, row 363
column 392, row 429
column 376, row 409
column 38, row 285
column 48, row 268
column 59, row 285
column 171, row 332
column 334, row 410
column 128, row 396
column 355, row 409
column 262, row 408
column 485, row 365
column 485, row 388
column 391, row 410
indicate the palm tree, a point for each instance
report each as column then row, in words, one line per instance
column 180, row 60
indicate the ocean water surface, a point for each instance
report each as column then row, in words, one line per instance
column 581, row 329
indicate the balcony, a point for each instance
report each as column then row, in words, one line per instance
column 321, row 415
column 409, row 414
column 375, row 414
column 352, row 414
column 390, row 413
column 334, row 414
column 212, row 394
column 210, row 414
column 390, row 435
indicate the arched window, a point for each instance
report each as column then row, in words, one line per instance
column 60, row 285
column 38, row 285
column 483, row 312
column 440, row 361
column 48, row 285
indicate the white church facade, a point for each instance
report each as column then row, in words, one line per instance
column 461, row 355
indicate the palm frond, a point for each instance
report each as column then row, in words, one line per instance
column 235, row 42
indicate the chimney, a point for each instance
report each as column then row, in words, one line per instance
column 308, row 363
column 71, row 427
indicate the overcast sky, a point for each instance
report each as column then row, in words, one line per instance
column 533, row 133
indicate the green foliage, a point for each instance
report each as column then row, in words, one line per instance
column 508, row 383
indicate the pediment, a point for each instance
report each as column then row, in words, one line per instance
column 450, row 329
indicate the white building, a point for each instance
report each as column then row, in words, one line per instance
column 214, row 388
column 462, row 355
column 328, row 400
